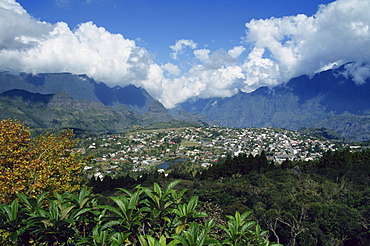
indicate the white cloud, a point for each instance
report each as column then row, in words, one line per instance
column 204, row 80
column 338, row 33
column 89, row 49
column 202, row 54
column 18, row 30
column 12, row 6
column 358, row 71
column 172, row 68
column 236, row 51
column 283, row 48
column 180, row 45
column 259, row 71
column 27, row 45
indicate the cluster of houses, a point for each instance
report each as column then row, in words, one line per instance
column 137, row 151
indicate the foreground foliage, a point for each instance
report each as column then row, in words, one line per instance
column 35, row 165
column 142, row 217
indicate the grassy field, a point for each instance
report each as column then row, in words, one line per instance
column 133, row 131
column 189, row 144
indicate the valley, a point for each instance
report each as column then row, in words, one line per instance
column 139, row 151
column 281, row 176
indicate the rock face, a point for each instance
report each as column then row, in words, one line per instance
column 63, row 100
column 95, row 107
column 157, row 113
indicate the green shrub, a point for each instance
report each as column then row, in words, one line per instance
column 142, row 217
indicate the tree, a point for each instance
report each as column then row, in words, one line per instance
column 295, row 221
column 32, row 166
column 14, row 157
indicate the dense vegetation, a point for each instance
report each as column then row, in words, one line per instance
column 39, row 206
column 143, row 217
column 241, row 200
column 323, row 202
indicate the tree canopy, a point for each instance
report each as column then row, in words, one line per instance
column 36, row 165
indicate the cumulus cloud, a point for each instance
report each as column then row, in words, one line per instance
column 236, row 51
column 18, row 30
column 28, row 45
column 338, row 33
column 12, row 6
column 358, row 71
column 172, row 69
column 216, row 75
column 259, row 71
column 283, row 48
column 279, row 49
column 180, row 45
column 202, row 54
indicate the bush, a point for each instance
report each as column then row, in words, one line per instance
column 142, row 217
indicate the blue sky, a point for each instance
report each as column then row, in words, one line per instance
column 158, row 24
column 183, row 49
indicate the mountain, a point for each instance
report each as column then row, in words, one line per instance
column 62, row 111
column 328, row 99
column 79, row 87
column 64, row 100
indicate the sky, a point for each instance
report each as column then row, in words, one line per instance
column 186, row 49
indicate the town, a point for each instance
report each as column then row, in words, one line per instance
column 142, row 150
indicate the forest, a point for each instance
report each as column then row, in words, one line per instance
column 240, row 200
column 322, row 202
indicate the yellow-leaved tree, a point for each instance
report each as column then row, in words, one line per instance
column 46, row 163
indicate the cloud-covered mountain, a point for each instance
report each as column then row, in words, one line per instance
column 329, row 99
column 273, row 51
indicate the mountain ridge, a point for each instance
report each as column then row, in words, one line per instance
column 328, row 99
column 59, row 110
column 79, row 87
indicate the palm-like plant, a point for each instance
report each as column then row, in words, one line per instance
column 148, row 240
column 146, row 217
column 196, row 235
column 104, row 237
column 126, row 216
column 161, row 204
column 186, row 212
column 241, row 231
column 14, row 220
column 84, row 211
column 56, row 224
column 238, row 229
